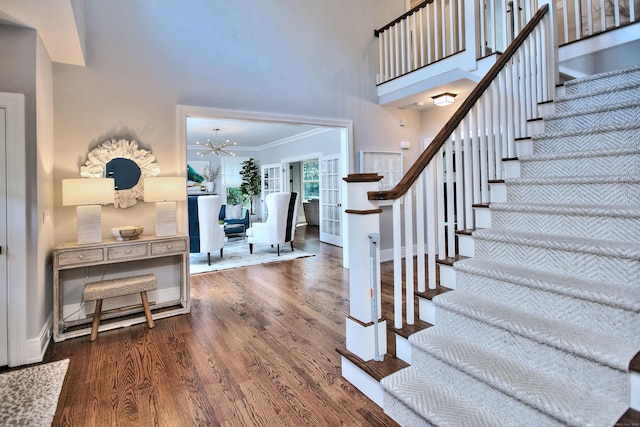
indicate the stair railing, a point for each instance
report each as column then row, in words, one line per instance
column 436, row 29
column 453, row 172
column 579, row 19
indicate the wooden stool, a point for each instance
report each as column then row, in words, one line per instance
column 115, row 288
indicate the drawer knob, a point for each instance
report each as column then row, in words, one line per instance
column 80, row 256
column 128, row 251
column 168, row 246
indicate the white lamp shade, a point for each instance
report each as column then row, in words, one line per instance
column 165, row 189
column 87, row 191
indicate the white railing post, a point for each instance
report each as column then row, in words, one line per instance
column 363, row 219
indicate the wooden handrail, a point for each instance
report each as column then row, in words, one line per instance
column 395, row 21
column 421, row 163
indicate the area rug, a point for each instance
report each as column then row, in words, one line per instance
column 236, row 254
column 29, row 396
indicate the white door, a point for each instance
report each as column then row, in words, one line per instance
column 330, row 200
column 4, row 348
column 271, row 183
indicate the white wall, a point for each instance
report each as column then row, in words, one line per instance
column 301, row 58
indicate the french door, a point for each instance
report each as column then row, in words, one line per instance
column 330, row 200
column 272, row 182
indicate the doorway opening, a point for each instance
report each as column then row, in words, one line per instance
column 271, row 152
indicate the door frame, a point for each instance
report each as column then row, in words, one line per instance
column 346, row 144
column 14, row 105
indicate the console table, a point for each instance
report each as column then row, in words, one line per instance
column 124, row 255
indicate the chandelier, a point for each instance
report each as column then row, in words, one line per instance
column 215, row 147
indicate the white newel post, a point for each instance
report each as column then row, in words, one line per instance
column 363, row 220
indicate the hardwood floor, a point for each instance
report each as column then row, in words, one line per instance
column 258, row 348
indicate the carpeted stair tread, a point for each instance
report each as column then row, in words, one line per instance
column 586, row 190
column 621, row 223
column 579, row 154
column 577, row 256
column 439, row 404
column 574, row 210
column 592, row 345
column 582, row 163
column 568, row 402
column 575, row 244
column 607, row 293
column 590, row 138
column 596, row 82
column 610, row 179
column 613, row 94
column 597, row 116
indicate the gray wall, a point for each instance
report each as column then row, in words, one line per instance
column 314, row 59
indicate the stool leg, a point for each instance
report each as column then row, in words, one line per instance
column 147, row 312
column 96, row 320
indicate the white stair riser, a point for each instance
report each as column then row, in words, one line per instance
column 595, row 101
column 427, row 310
column 482, row 217
column 544, row 358
column 589, row 314
column 597, row 139
column 447, row 276
column 403, row 349
column 497, row 192
column 524, row 147
column 594, row 85
column 547, row 108
column 582, row 166
column 623, row 115
column 535, row 127
column 511, row 169
column 622, row 229
column 465, row 245
column 585, row 265
column 618, row 194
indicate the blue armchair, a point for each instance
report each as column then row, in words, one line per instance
column 234, row 226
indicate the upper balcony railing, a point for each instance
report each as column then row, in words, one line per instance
column 438, row 29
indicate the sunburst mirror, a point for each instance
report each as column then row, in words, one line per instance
column 124, row 161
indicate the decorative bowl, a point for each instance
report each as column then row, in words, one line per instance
column 127, row 232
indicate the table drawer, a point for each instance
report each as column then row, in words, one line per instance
column 127, row 252
column 84, row 256
column 169, row 247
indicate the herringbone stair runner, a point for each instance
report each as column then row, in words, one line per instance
column 546, row 317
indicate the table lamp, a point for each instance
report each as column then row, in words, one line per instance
column 165, row 192
column 87, row 194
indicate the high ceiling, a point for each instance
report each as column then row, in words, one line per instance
column 247, row 134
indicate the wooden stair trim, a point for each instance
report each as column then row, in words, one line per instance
column 449, row 261
column 480, row 205
column 430, row 293
column 376, row 370
column 408, row 330
column 464, row 232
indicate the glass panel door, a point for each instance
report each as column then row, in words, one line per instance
column 330, row 200
column 271, row 183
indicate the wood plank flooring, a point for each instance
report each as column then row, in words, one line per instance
column 257, row 349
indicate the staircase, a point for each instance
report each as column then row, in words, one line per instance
column 545, row 318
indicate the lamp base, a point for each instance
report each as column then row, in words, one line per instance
column 165, row 219
column 89, row 224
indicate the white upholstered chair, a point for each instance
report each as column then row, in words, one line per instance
column 281, row 222
column 211, row 232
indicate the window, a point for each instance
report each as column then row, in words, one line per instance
column 231, row 167
column 310, row 180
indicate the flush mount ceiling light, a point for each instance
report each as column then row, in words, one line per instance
column 444, row 99
column 215, row 147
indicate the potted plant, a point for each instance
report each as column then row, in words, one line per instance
column 250, row 181
column 210, row 176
